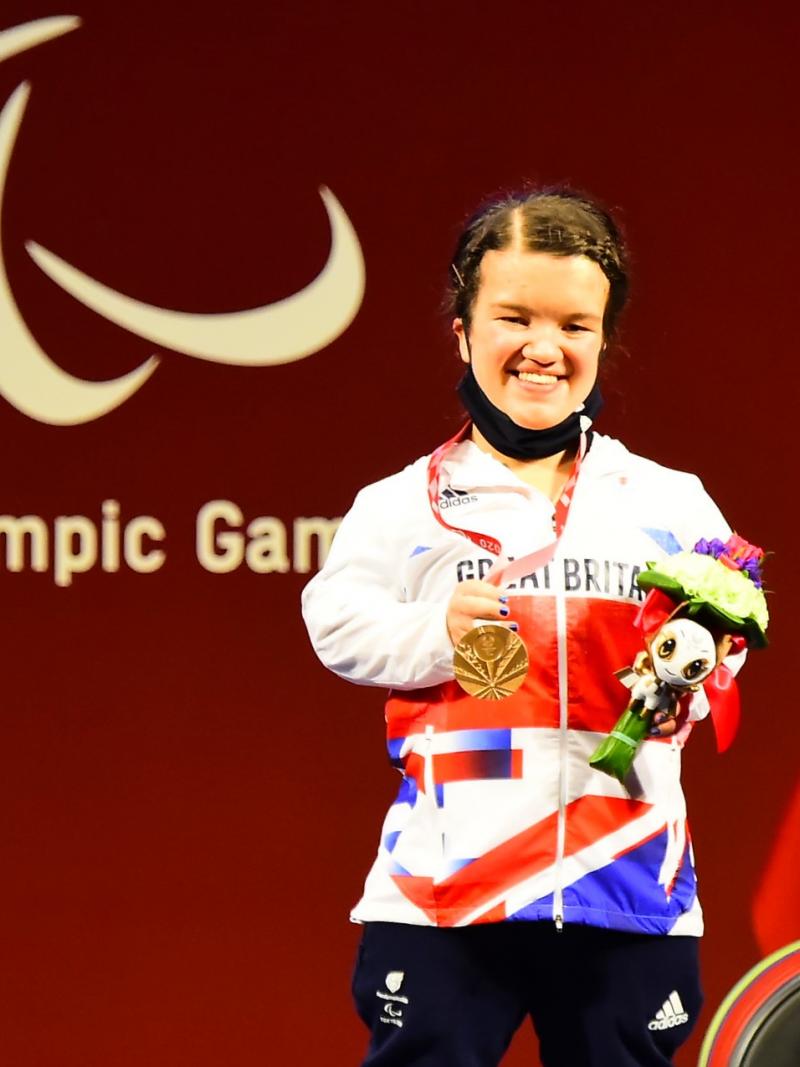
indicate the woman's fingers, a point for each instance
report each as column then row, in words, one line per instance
column 473, row 600
column 664, row 724
column 481, row 607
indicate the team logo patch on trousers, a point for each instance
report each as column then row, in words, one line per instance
column 394, row 1001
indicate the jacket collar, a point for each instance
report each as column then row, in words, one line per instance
column 469, row 467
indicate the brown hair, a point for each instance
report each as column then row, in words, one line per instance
column 558, row 221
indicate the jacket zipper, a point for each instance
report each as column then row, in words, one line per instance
column 561, row 830
column 428, row 764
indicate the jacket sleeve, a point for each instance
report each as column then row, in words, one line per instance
column 360, row 623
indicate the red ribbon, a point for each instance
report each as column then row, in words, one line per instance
column 720, row 686
column 723, row 696
column 505, row 572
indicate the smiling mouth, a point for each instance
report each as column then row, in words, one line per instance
column 539, row 379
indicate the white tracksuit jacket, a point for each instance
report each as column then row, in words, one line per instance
column 499, row 815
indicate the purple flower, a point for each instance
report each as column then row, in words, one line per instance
column 713, row 548
column 735, row 553
column 753, row 571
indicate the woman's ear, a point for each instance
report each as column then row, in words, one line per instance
column 460, row 330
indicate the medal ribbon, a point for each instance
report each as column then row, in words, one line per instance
column 509, row 570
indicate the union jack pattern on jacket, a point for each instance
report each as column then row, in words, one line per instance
column 498, row 815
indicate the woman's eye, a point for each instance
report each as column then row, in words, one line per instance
column 575, row 327
column 513, row 318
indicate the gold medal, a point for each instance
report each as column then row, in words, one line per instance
column 490, row 661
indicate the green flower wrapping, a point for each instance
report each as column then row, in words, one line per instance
column 712, row 590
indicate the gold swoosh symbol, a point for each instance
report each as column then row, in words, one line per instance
column 20, row 38
column 281, row 332
column 28, row 377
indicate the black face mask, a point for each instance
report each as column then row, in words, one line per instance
column 516, row 441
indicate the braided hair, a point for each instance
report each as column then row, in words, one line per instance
column 557, row 221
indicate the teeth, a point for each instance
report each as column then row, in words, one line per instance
column 543, row 379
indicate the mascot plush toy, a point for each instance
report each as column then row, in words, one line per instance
column 700, row 607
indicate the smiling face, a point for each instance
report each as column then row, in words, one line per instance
column 536, row 333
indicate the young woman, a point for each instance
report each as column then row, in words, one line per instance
column 512, row 879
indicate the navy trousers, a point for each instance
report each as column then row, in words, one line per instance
column 435, row 997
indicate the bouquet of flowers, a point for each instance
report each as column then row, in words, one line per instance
column 700, row 605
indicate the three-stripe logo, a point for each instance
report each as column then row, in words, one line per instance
column 670, row 1014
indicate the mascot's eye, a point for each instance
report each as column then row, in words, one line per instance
column 691, row 670
column 666, row 648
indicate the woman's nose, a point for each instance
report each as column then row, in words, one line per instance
column 542, row 347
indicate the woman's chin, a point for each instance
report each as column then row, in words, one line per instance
column 537, row 420
column 538, row 408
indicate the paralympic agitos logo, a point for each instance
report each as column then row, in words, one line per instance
column 282, row 332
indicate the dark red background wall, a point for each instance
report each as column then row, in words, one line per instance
column 188, row 802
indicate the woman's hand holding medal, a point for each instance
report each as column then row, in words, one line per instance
column 472, row 600
column 489, row 659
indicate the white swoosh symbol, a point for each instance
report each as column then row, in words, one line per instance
column 277, row 333
column 28, row 377
column 281, row 332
